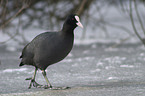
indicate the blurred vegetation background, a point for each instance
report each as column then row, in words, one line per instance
column 19, row 15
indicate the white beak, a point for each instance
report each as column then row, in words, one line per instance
column 78, row 23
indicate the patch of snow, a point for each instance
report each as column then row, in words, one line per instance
column 141, row 54
column 75, row 65
column 111, row 78
column 94, row 46
column 126, row 66
column 99, row 64
column 70, row 55
column 96, row 70
column 89, row 58
column 67, row 60
column 109, row 67
column 123, row 58
column 14, row 70
column 84, row 58
column 111, row 49
column 86, row 52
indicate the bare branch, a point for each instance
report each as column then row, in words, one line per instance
column 84, row 4
column 138, row 16
column 11, row 37
column 133, row 24
column 10, row 19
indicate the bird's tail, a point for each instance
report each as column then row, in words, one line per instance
column 21, row 64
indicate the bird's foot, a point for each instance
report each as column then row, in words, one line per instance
column 34, row 83
column 55, row 88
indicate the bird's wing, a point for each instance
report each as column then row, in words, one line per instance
column 29, row 48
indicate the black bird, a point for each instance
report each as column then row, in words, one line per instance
column 49, row 48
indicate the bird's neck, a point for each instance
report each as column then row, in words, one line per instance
column 67, row 29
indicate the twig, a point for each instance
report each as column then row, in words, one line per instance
column 133, row 25
column 123, row 28
column 8, row 21
column 140, row 21
column 11, row 37
column 81, row 7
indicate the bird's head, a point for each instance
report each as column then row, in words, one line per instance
column 73, row 20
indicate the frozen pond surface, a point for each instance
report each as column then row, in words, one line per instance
column 89, row 69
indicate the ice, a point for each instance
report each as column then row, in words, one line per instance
column 109, row 67
column 95, row 71
column 67, row 60
column 142, row 54
column 75, row 65
column 123, row 58
column 110, row 78
column 111, row 49
column 86, row 51
column 89, row 58
column 95, row 67
column 14, row 70
column 70, row 55
column 127, row 66
column 85, row 41
column 94, row 46
column 100, row 64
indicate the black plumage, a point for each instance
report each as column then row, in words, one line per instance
column 49, row 48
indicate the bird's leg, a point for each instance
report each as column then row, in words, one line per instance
column 35, row 84
column 49, row 86
column 47, row 81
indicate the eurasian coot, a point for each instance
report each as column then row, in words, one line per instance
column 49, row 48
